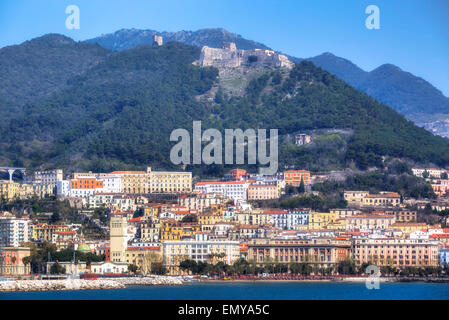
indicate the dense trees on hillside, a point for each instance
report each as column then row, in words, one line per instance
column 120, row 113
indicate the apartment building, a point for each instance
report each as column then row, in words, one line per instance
column 234, row 190
column 201, row 201
column 396, row 252
column 383, row 199
column 49, row 177
column 13, row 231
column 263, row 192
column 294, row 177
column 169, row 182
column 11, row 261
column 320, row 251
column 285, row 219
column 200, row 249
column 355, row 197
column 369, row 222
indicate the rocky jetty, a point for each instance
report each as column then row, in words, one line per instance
column 149, row 281
column 56, row 285
column 76, row 284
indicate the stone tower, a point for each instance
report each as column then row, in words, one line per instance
column 157, row 40
column 229, row 46
column 118, row 234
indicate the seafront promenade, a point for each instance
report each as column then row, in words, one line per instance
column 78, row 284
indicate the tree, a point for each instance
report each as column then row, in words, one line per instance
column 55, row 217
column 190, row 218
column 425, row 174
column 138, row 213
column 56, row 268
column 346, row 266
column 444, row 175
column 149, row 258
column 132, row 268
column 158, row 268
column 302, row 187
column 189, row 265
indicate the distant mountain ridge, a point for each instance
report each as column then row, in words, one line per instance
column 129, row 38
column 410, row 95
column 406, row 93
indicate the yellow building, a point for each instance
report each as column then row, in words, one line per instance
column 254, row 217
column 320, row 220
column 338, row 224
column 209, row 218
column 355, row 197
column 175, row 230
column 9, row 189
column 47, row 232
column 143, row 257
column 169, row 182
column 382, row 199
column 133, row 182
column 409, row 227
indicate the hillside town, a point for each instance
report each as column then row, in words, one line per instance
column 165, row 222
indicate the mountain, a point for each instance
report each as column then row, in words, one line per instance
column 406, row 93
column 37, row 68
column 120, row 111
column 129, row 38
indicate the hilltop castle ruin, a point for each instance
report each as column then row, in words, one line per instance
column 230, row 57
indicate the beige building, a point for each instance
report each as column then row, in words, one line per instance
column 382, row 199
column 118, row 237
column 169, row 182
column 320, row 220
column 396, row 252
column 254, row 217
column 263, row 192
column 200, row 249
column 201, row 201
column 367, row 222
column 322, row 252
column 133, row 182
column 355, row 197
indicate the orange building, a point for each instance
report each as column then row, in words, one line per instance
column 86, row 183
column 294, row 177
column 11, row 261
column 237, row 174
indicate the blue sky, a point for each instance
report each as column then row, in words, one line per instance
column 414, row 34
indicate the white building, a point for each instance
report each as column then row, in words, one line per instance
column 284, row 219
column 234, row 190
column 13, row 231
column 63, row 188
column 48, row 177
column 108, row 267
column 111, row 183
column 433, row 172
column 199, row 249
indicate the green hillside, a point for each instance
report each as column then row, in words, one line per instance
column 120, row 112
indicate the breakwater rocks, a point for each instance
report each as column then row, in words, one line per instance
column 149, row 281
column 76, row 284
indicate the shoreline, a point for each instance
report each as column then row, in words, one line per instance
column 122, row 283
column 80, row 284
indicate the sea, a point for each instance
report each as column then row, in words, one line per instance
column 251, row 291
